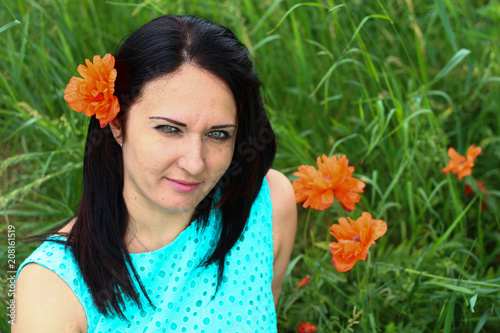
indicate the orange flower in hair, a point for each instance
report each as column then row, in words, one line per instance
column 93, row 93
column 461, row 164
column 319, row 188
column 354, row 238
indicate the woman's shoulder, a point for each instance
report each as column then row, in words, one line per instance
column 284, row 226
column 46, row 287
column 284, row 207
column 282, row 194
column 67, row 228
column 46, row 303
column 52, row 254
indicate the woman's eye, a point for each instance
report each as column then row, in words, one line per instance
column 166, row 128
column 219, row 135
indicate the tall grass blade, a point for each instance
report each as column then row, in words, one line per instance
column 9, row 25
column 446, row 23
column 462, row 290
column 363, row 22
column 453, row 225
column 482, row 321
column 454, row 61
column 448, row 321
column 303, row 4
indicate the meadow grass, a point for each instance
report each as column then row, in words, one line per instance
column 390, row 84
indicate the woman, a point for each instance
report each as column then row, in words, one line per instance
column 182, row 225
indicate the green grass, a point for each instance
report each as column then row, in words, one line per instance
column 391, row 84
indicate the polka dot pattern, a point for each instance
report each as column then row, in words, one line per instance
column 183, row 292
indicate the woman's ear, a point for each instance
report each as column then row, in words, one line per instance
column 116, row 129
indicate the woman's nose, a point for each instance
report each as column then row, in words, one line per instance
column 192, row 157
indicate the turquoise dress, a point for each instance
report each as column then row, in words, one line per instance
column 182, row 292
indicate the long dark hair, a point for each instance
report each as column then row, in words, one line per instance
column 158, row 48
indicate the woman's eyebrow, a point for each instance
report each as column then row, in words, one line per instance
column 222, row 126
column 178, row 123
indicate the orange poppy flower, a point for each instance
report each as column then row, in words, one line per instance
column 460, row 164
column 354, row 238
column 319, row 188
column 303, row 282
column 307, row 328
column 93, row 95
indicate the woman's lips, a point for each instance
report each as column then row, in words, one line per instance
column 183, row 186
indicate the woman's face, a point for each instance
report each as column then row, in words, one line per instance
column 179, row 140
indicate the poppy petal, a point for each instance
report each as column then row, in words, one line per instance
column 93, row 93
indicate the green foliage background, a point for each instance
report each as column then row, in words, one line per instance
column 391, row 84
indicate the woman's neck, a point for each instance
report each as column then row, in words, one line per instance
column 151, row 228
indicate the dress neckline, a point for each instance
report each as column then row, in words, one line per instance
column 180, row 237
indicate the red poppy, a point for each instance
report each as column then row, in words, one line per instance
column 307, row 328
column 354, row 238
column 460, row 164
column 319, row 188
column 93, row 95
column 303, row 282
column 468, row 191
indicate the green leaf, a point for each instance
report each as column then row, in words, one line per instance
column 473, row 300
column 9, row 25
column 323, row 245
column 446, row 24
column 454, row 287
column 448, row 320
column 454, row 61
column 453, row 225
column 482, row 321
